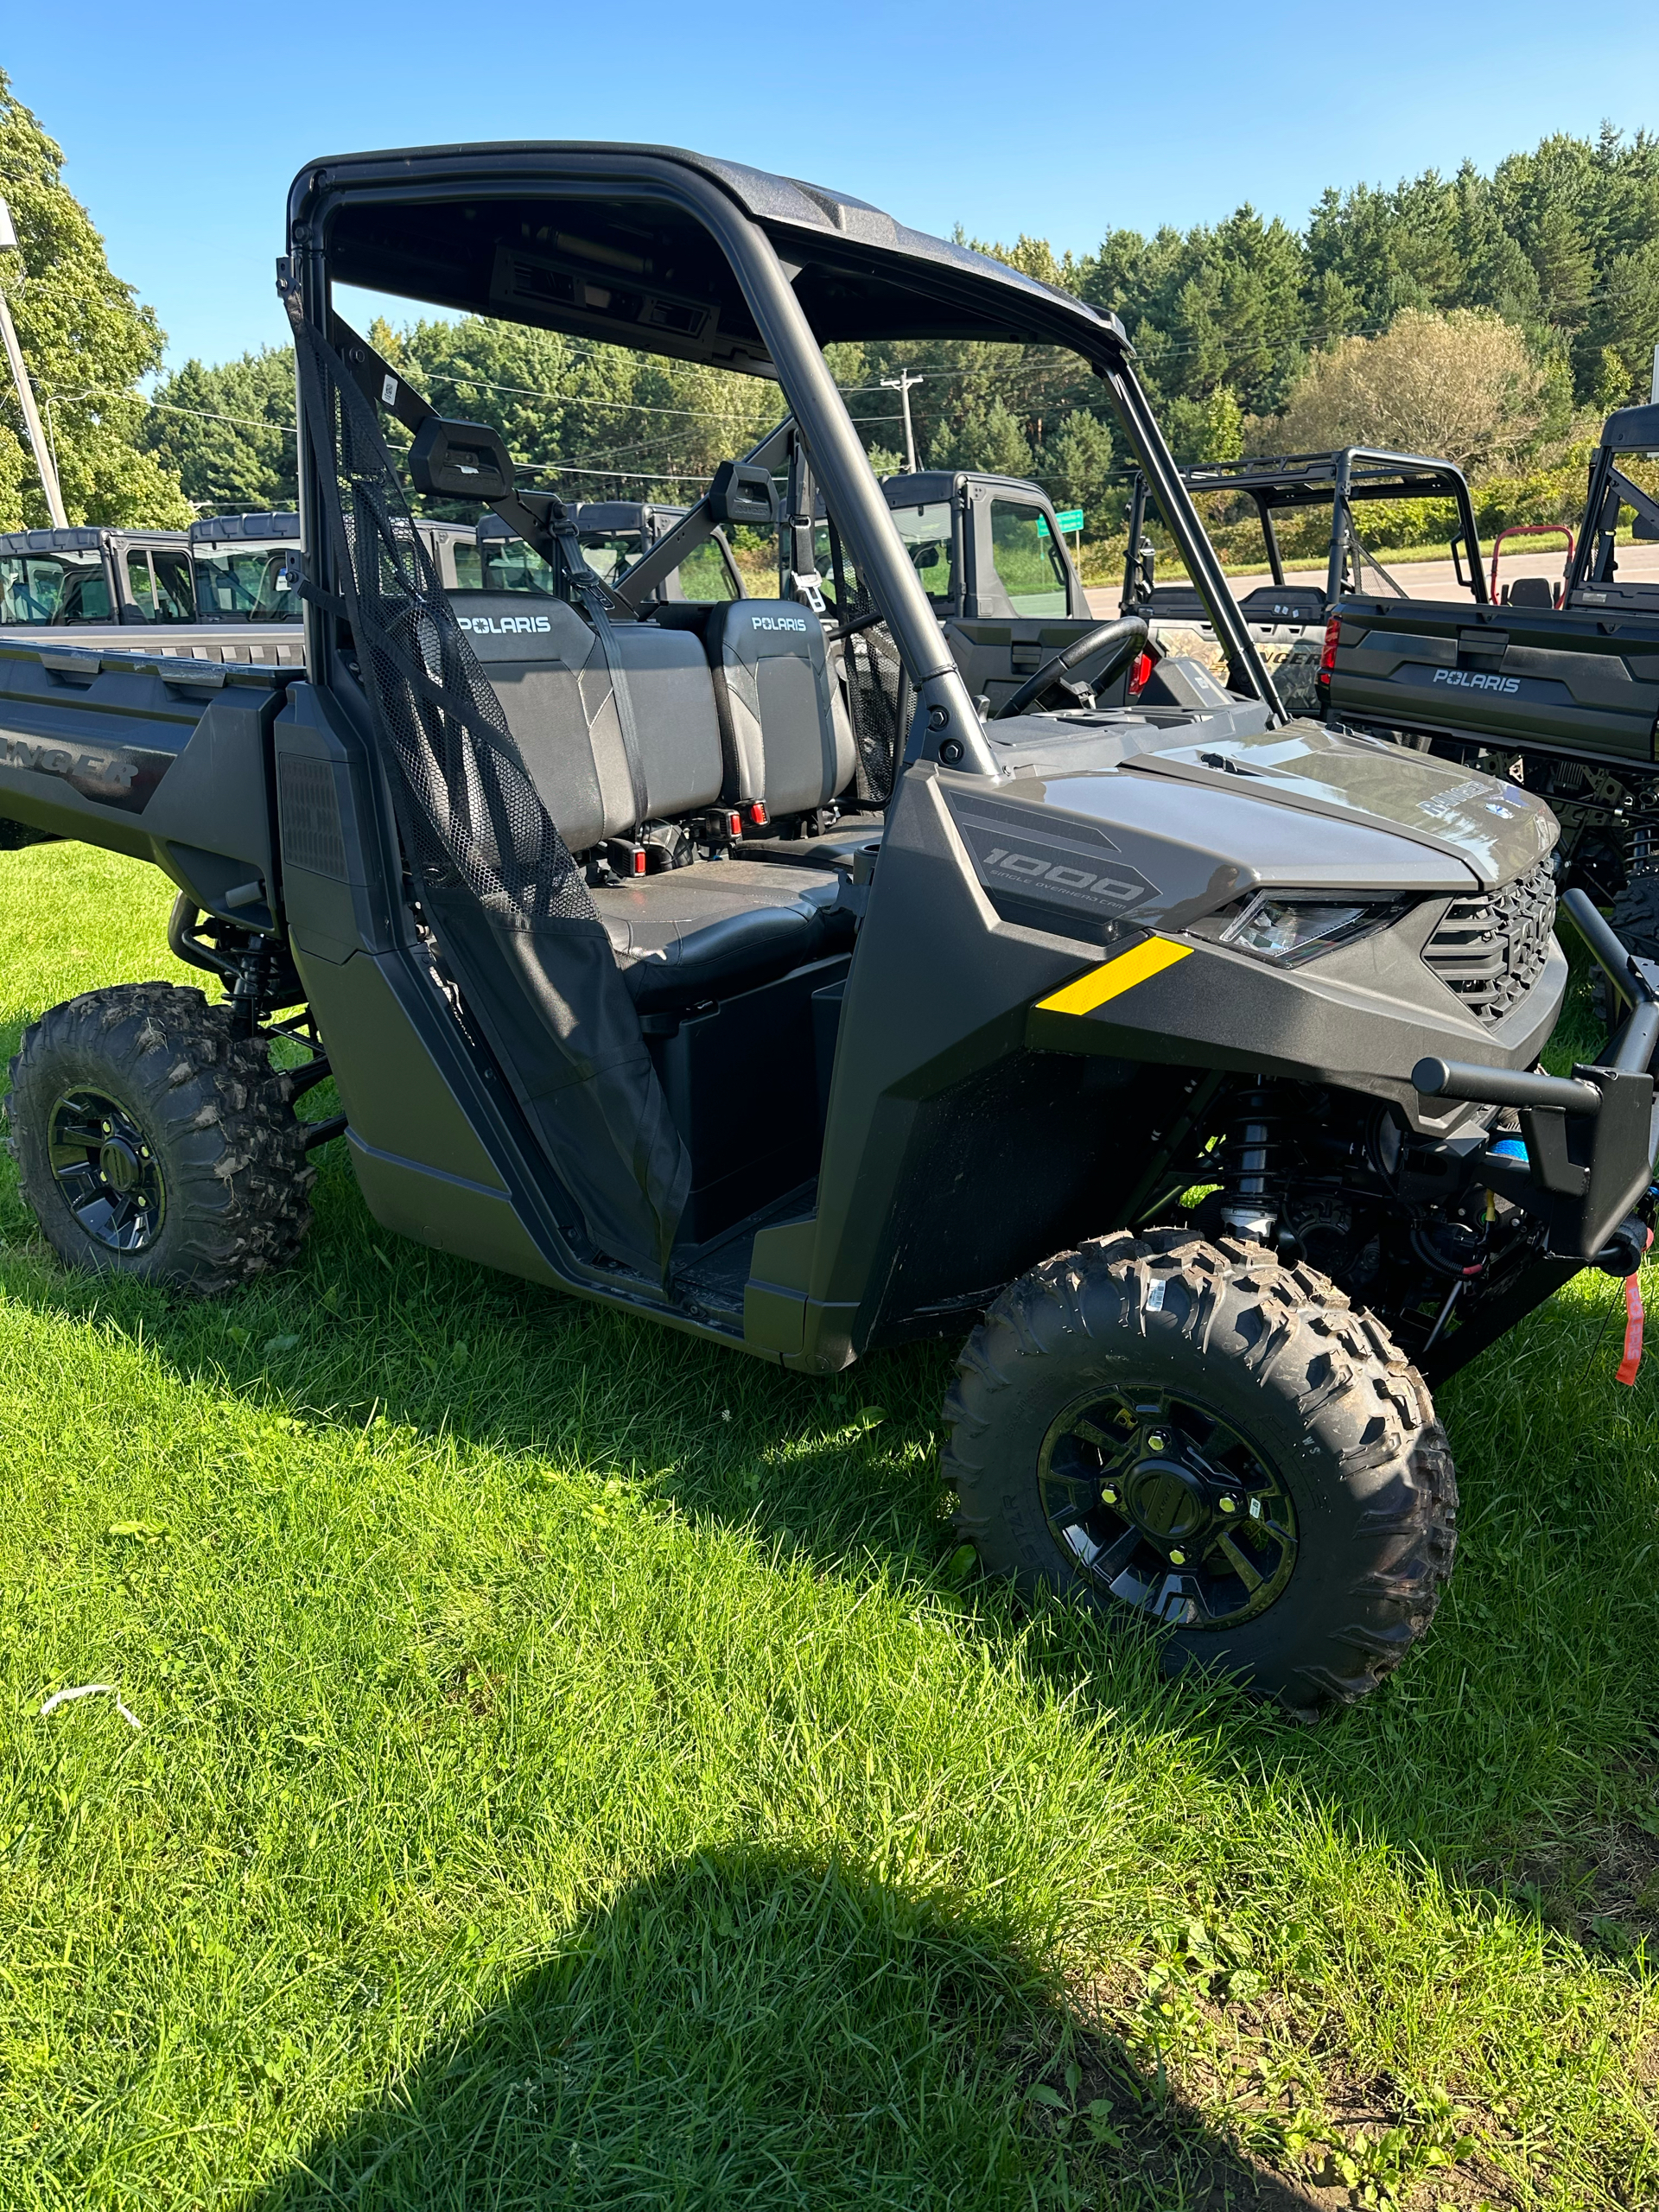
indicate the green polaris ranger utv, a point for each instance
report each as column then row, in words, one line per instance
column 1181, row 1059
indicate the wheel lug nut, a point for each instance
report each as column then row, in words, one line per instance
column 1177, row 1559
column 1229, row 1506
column 1157, row 1441
column 1109, row 1498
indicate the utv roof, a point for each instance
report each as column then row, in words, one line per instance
column 215, row 530
column 926, row 485
column 82, row 538
column 1306, row 479
column 1633, row 430
column 614, row 241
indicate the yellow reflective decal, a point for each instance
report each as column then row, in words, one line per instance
column 1119, row 975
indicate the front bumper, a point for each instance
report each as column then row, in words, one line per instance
column 1591, row 1138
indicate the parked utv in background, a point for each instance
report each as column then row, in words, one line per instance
column 56, row 578
column 1140, row 1043
column 1288, row 620
column 1558, row 689
column 993, row 561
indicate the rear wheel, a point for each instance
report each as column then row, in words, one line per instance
column 152, row 1140
column 1195, row 1433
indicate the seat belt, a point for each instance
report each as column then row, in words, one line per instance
column 553, row 535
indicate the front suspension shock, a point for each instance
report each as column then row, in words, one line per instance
column 1247, row 1162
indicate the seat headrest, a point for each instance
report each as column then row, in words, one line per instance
column 1530, row 591
column 755, row 629
column 519, row 625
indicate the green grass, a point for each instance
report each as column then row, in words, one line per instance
column 569, row 1776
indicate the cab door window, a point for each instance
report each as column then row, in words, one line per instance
column 141, row 585
column 175, row 588
column 161, row 584
column 1029, row 565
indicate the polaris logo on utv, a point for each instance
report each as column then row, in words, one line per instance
column 779, row 621
column 487, row 626
column 1478, row 680
column 1017, row 854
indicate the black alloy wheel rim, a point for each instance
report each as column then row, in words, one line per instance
column 106, row 1169
column 1165, row 1507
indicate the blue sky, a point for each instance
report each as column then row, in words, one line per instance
column 182, row 129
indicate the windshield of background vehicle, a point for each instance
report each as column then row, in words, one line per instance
column 53, row 587
column 250, row 582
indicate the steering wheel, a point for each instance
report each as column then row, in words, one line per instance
column 1119, row 641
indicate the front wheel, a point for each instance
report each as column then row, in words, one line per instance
column 1199, row 1434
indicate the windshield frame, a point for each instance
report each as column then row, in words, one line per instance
column 769, row 234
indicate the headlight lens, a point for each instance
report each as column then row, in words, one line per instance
column 1289, row 927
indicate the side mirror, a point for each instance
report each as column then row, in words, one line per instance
column 742, row 492
column 928, row 556
column 460, row 460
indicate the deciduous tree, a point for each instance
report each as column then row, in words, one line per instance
column 1462, row 384
column 86, row 341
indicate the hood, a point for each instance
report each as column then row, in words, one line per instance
column 1495, row 828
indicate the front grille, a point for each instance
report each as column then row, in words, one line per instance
column 1491, row 950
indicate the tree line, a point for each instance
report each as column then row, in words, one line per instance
column 1497, row 314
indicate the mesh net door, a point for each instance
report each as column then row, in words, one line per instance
column 505, row 899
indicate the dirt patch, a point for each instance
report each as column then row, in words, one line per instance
column 1233, row 2101
column 1599, row 1886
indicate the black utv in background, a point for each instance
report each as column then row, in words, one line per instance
column 1558, row 691
column 1166, row 1051
column 1288, row 620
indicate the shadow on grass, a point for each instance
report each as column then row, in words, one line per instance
column 758, row 2029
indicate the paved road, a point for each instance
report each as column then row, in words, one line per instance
column 1436, row 579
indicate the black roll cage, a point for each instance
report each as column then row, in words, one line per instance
column 1309, row 480
column 1594, row 558
column 840, row 242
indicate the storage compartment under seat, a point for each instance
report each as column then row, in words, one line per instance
column 743, row 1085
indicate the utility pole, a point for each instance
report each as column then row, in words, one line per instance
column 901, row 384
column 41, row 451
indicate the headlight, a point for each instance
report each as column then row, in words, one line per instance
column 1289, row 926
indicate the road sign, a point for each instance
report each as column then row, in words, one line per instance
column 1070, row 519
